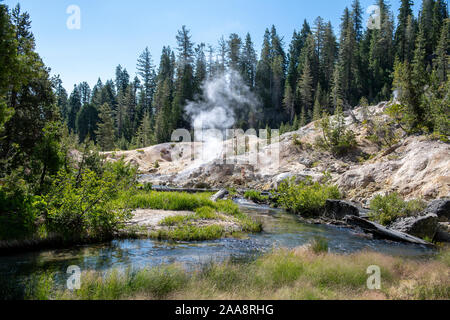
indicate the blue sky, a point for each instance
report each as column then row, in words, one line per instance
column 115, row 32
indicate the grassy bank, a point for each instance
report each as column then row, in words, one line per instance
column 190, row 227
column 283, row 274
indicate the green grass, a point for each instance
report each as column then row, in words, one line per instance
column 190, row 233
column 319, row 245
column 282, row 274
column 175, row 201
column 202, row 213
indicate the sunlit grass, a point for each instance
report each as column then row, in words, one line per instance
column 281, row 274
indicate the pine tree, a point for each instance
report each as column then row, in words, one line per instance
column 145, row 70
column 443, row 53
column 185, row 77
column 305, row 87
column 263, row 75
column 328, row 57
column 248, row 62
column 86, row 122
column 74, row 108
column 405, row 12
column 222, row 56
column 234, row 51
column 200, row 68
column 357, row 19
column 289, row 101
column 105, row 128
column 144, row 137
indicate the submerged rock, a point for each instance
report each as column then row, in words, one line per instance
column 422, row 226
column 338, row 209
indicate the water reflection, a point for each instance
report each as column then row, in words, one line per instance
column 280, row 230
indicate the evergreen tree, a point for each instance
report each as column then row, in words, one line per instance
column 144, row 136
column 443, row 53
column 401, row 38
column 305, row 88
column 86, row 122
column 74, row 108
column 234, row 51
column 248, row 62
column 184, row 87
column 146, row 72
column 105, row 128
column 200, row 68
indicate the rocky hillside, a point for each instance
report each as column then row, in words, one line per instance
column 414, row 166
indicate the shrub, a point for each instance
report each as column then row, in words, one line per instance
column 306, row 198
column 18, row 210
column 336, row 138
column 386, row 209
column 255, row 196
column 82, row 205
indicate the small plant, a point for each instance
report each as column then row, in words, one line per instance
column 296, row 141
column 386, row 209
column 147, row 186
column 319, row 245
column 156, row 164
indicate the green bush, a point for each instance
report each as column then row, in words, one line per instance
column 307, row 197
column 336, row 138
column 255, row 196
column 82, row 204
column 18, row 211
column 386, row 209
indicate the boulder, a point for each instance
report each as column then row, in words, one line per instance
column 443, row 232
column 422, row 226
column 441, row 208
column 338, row 209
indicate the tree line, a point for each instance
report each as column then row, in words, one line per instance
column 316, row 74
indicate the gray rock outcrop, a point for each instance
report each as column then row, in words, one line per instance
column 423, row 226
column 338, row 209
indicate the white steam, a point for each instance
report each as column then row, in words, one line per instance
column 224, row 98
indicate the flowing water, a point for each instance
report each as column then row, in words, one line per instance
column 280, row 230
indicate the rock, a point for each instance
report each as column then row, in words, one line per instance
column 441, row 208
column 442, row 232
column 422, row 226
column 381, row 232
column 306, row 162
column 338, row 209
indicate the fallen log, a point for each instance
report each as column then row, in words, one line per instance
column 219, row 195
column 381, row 232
